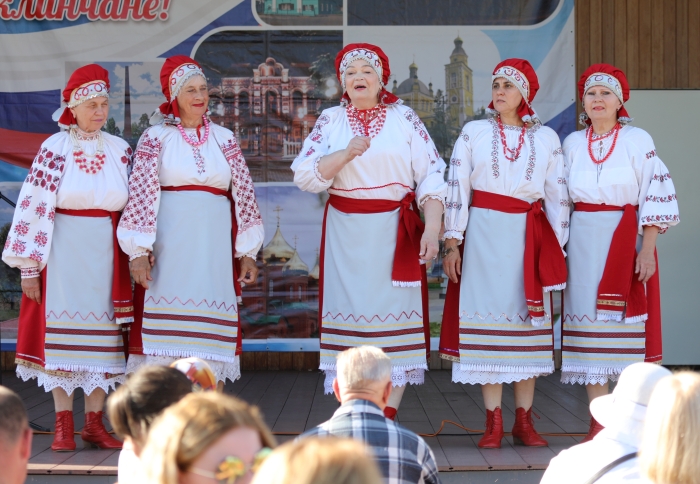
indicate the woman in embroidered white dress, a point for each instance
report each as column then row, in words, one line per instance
column 512, row 252
column 75, row 280
column 191, row 214
column 623, row 197
column 374, row 156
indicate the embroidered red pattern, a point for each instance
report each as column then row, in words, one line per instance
column 144, row 187
column 316, row 134
column 243, row 188
column 418, row 125
column 366, row 122
column 46, row 170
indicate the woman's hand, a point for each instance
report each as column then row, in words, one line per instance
column 646, row 262
column 31, row 287
column 429, row 245
column 140, row 269
column 356, row 147
column 249, row 271
column 452, row 262
column 646, row 265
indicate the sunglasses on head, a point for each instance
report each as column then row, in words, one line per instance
column 232, row 468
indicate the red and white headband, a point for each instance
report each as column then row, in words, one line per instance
column 605, row 80
column 365, row 54
column 180, row 76
column 517, row 78
column 87, row 91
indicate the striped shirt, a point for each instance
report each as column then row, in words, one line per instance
column 402, row 456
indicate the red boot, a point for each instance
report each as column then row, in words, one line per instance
column 592, row 430
column 95, row 435
column 494, row 430
column 524, row 432
column 63, row 440
column 390, row 413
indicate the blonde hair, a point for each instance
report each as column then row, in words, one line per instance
column 319, row 461
column 362, row 365
column 188, row 428
column 671, row 443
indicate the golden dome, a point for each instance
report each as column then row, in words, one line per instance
column 316, row 271
column 295, row 264
column 278, row 248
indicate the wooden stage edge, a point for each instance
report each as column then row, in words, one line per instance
column 293, row 401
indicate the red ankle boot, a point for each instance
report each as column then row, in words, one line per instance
column 524, row 432
column 390, row 413
column 95, row 435
column 63, row 440
column 494, row 430
column 592, row 430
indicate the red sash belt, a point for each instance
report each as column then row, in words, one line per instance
column 619, row 291
column 406, row 271
column 544, row 266
column 121, row 280
column 234, row 223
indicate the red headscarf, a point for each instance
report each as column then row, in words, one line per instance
column 85, row 83
column 376, row 58
column 174, row 74
column 610, row 77
column 520, row 73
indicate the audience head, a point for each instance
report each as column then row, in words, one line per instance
column 136, row 403
column 319, row 461
column 626, row 407
column 363, row 372
column 15, row 437
column 670, row 450
column 206, row 436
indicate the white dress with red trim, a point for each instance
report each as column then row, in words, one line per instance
column 597, row 350
column 359, row 303
column 190, row 308
column 73, row 339
column 490, row 336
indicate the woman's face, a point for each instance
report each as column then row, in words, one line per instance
column 92, row 114
column 505, row 96
column 193, row 98
column 362, row 84
column 601, row 104
column 242, row 442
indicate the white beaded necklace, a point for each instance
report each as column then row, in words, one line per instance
column 90, row 164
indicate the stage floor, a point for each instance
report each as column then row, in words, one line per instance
column 293, row 402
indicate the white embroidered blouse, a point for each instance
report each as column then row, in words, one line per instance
column 633, row 174
column 478, row 163
column 164, row 158
column 56, row 181
column 401, row 158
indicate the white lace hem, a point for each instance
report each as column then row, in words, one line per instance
column 399, row 378
column 72, row 381
column 222, row 370
column 583, row 377
column 469, row 375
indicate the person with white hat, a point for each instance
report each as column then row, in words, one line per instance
column 612, row 454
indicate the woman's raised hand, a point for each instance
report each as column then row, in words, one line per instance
column 140, row 269
column 356, row 147
column 31, row 287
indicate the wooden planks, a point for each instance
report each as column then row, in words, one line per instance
column 656, row 43
column 293, row 401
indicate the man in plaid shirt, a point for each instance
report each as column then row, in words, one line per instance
column 362, row 387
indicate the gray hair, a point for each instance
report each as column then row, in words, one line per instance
column 14, row 416
column 358, row 367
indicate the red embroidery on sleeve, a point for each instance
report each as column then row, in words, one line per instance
column 144, row 186
column 244, row 190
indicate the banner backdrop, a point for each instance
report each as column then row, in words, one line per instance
column 269, row 65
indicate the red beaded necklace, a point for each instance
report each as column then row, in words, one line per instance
column 613, row 132
column 366, row 122
column 521, row 141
